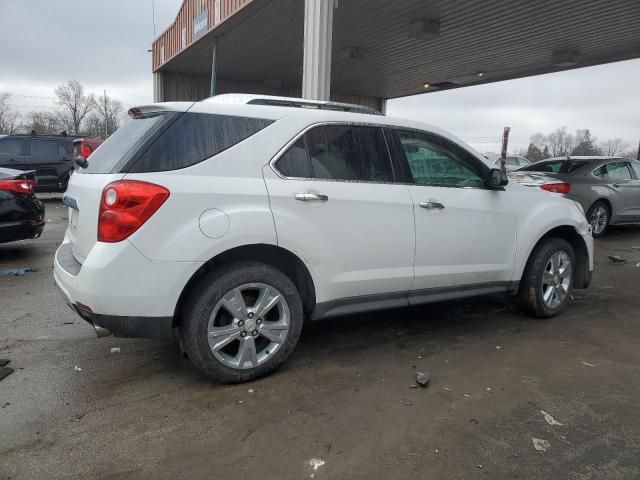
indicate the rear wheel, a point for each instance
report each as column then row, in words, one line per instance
column 242, row 321
column 599, row 216
column 547, row 282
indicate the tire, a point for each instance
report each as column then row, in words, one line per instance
column 599, row 208
column 217, row 293
column 537, row 280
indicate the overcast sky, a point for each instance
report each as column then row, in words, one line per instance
column 104, row 44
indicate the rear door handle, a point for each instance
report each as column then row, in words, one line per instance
column 432, row 205
column 311, row 197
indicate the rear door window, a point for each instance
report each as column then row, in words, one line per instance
column 44, row 148
column 194, row 137
column 295, row 161
column 618, row 171
column 636, row 169
column 346, row 152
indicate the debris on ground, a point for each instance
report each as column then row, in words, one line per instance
column 250, row 390
column 498, row 347
column 115, row 349
column 587, row 364
column 16, row 272
column 316, row 463
column 635, row 248
column 540, row 444
column 422, row 379
column 616, row 258
column 488, row 389
column 550, row 418
column 467, row 395
column 447, row 389
column 4, row 362
column 77, row 368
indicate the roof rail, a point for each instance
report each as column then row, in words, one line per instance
column 335, row 106
column 274, row 101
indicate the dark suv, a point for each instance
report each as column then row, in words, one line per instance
column 51, row 156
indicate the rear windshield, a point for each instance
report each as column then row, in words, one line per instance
column 555, row 166
column 170, row 141
column 120, row 147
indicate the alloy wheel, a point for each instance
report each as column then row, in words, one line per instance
column 248, row 325
column 599, row 219
column 556, row 279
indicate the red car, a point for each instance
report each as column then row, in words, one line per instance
column 84, row 147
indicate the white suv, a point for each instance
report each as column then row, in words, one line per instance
column 230, row 220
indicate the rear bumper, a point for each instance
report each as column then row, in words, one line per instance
column 120, row 290
column 14, row 231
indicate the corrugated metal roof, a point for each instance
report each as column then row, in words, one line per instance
column 501, row 38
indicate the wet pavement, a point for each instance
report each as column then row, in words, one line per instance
column 346, row 397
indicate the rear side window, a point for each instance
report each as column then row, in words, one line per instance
column 194, row 137
column 618, row 171
column 636, row 168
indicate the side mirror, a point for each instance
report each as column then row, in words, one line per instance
column 497, row 179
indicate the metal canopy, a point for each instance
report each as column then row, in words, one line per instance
column 376, row 52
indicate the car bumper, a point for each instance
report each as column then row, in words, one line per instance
column 121, row 292
column 14, row 231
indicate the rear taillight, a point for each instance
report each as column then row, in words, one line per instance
column 556, row 187
column 85, row 151
column 18, row 186
column 125, row 206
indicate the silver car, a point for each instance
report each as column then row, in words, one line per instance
column 608, row 188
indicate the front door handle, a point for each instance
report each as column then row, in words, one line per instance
column 311, row 197
column 431, row 205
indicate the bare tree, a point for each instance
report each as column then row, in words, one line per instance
column 106, row 118
column 614, row 147
column 75, row 105
column 9, row 118
column 43, row 123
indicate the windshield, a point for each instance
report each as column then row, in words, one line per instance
column 555, row 166
column 118, row 149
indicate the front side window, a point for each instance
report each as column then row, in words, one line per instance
column 11, row 146
column 345, row 152
column 195, row 137
column 434, row 161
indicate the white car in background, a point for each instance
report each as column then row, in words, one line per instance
column 512, row 162
column 231, row 219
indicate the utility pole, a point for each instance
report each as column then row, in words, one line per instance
column 505, row 143
column 106, row 130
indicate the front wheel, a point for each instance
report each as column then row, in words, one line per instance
column 241, row 322
column 547, row 282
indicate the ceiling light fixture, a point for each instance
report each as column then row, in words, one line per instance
column 426, row 85
column 480, row 74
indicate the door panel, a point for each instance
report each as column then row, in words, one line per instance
column 347, row 220
column 627, row 191
column 465, row 233
column 470, row 240
column 360, row 241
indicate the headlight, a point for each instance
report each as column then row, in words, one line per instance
column 579, row 206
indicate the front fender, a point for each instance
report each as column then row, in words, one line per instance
column 544, row 218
